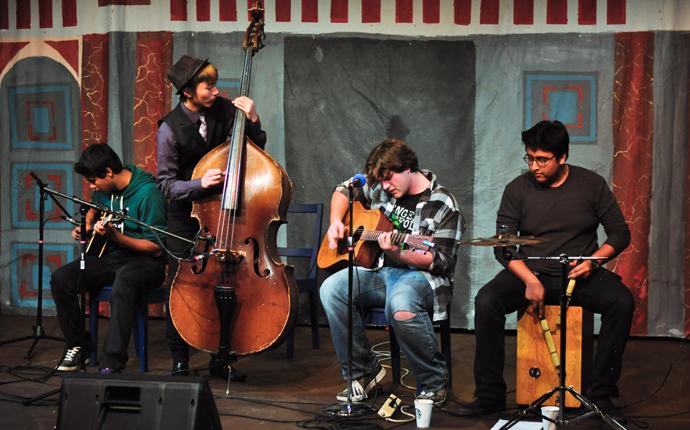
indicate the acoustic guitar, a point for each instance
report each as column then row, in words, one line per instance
column 98, row 244
column 368, row 225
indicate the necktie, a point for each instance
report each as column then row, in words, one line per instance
column 202, row 126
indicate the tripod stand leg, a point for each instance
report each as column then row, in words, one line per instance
column 593, row 410
column 533, row 407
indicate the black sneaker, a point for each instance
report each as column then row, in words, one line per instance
column 481, row 407
column 75, row 358
column 362, row 386
column 437, row 396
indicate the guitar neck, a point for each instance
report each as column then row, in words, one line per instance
column 373, row 235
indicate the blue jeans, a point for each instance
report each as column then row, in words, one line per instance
column 394, row 289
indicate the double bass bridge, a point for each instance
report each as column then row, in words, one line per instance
column 228, row 256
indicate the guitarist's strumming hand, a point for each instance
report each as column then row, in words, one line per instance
column 104, row 228
column 336, row 231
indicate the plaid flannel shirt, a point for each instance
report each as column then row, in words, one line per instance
column 436, row 214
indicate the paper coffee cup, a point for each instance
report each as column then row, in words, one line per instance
column 550, row 412
column 423, row 409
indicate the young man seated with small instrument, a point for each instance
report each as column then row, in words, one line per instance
column 132, row 261
column 562, row 206
column 413, row 286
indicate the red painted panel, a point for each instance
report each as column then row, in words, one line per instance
column 94, row 91
column 488, row 12
column 431, row 12
column 587, row 12
column 4, row 15
column 403, row 11
column 152, row 94
column 633, row 135
column 462, row 12
column 23, row 14
column 178, row 10
column 283, row 13
column 8, row 51
column 371, row 11
column 227, row 10
column 69, row 13
column 69, row 49
column 615, row 12
column 45, row 13
column 339, row 11
column 123, row 2
column 557, row 12
column 310, row 10
column 523, row 12
column 203, row 10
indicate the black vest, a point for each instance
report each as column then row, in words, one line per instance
column 190, row 146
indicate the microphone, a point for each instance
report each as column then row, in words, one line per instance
column 359, row 180
column 69, row 219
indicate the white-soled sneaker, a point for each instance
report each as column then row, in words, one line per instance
column 74, row 359
column 362, row 386
column 438, row 396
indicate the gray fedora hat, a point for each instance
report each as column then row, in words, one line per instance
column 186, row 68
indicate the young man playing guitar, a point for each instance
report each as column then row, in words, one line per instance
column 132, row 261
column 414, row 287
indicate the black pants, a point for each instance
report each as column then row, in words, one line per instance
column 130, row 275
column 603, row 293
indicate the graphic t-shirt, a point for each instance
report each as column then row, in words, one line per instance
column 402, row 218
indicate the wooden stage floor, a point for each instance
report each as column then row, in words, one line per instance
column 285, row 393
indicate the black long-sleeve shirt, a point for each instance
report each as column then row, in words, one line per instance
column 565, row 217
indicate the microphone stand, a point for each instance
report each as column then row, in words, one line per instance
column 349, row 409
column 561, row 389
column 38, row 331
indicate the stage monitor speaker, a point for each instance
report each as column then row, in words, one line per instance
column 94, row 401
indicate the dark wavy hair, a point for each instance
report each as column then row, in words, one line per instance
column 390, row 156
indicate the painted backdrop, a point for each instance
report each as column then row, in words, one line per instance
column 458, row 79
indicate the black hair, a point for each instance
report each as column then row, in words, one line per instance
column 96, row 159
column 550, row 136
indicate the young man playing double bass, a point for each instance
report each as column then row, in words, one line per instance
column 132, row 262
column 201, row 121
column 414, row 288
column 564, row 205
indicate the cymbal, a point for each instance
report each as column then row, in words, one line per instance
column 502, row 240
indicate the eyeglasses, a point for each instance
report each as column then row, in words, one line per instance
column 541, row 161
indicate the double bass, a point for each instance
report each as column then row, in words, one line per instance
column 244, row 299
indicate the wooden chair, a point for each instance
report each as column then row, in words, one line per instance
column 377, row 316
column 309, row 283
column 140, row 329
